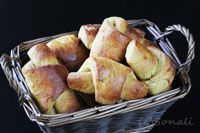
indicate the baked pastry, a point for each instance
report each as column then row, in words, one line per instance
column 111, row 41
column 151, row 65
column 69, row 51
column 87, row 33
column 142, row 60
column 134, row 33
column 41, row 55
column 46, row 79
column 98, row 75
column 109, row 80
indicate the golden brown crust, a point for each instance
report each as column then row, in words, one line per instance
column 133, row 89
column 41, row 55
column 164, row 75
column 81, row 55
column 81, row 81
column 111, row 42
column 151, row 65
column 138, row 35
column 87, row 33
column 46, row 83
column 108, row 79
column 134, row 33
column 64, row 47
column 66, row 102
column 69, row 51
column 141, row 59
column 117, row 22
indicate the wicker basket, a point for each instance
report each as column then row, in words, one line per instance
column 125, row 116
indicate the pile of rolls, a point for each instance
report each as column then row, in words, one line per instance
column 112, row 61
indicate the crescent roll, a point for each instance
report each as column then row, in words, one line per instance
column 111, row 41
column 46, row 79
column 151, row 65
column 109, row 80
column 69, row 51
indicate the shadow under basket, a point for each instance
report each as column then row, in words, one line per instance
column 126, row 116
